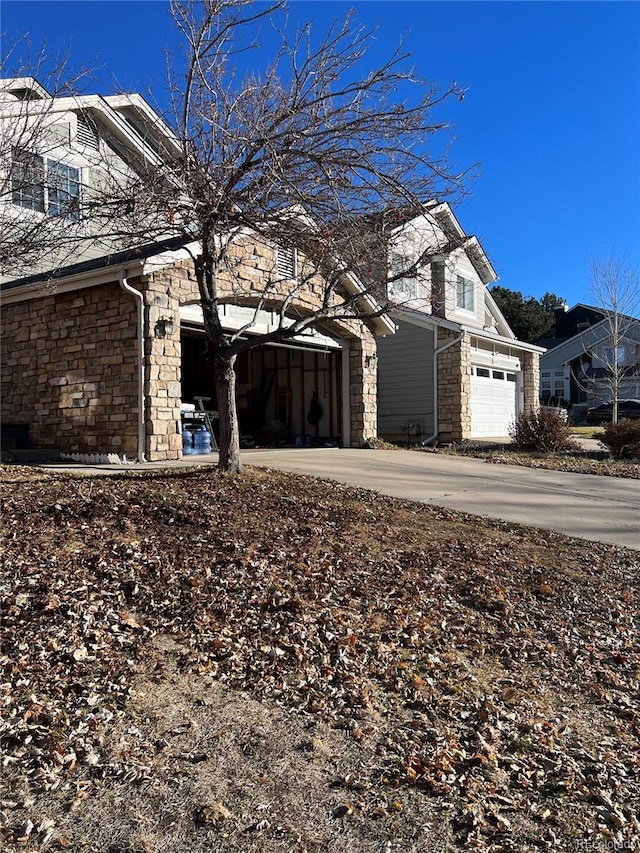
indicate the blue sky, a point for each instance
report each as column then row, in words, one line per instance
column 552, row 110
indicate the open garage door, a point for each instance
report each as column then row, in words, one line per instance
column 493, row 402
column 285, row 393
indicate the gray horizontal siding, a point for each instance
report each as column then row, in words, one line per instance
column 405, row 383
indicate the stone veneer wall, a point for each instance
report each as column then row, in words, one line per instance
column 163, row 360
column 363, row 388
column 69, row 363
column 531, row 375
column 454, row 387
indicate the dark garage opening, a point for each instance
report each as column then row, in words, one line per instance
column 285, row 394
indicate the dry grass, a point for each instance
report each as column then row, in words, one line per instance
column 598, row 462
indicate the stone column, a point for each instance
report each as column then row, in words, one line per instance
column 454, row 387
column 363, row 388
column 162, row 371
column 531, row 377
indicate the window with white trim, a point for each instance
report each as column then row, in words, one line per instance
column 464, row 294
column 615, row 355
column 552, row 383
column 403, row 275
column 44, row 185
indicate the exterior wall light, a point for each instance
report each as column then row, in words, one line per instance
column 164, row 327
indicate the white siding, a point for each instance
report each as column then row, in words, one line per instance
column 405, row 383
column 458, row 264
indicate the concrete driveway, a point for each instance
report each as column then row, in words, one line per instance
column 606, row 509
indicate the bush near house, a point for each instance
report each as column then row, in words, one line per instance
column 622, row 440
column 542, row 429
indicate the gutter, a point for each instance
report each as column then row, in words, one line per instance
column 139, row 299
column 436, row 352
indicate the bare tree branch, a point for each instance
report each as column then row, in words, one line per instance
column 309, row 153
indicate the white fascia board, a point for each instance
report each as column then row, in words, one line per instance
column 444, row 213
column 495, row 310
column 78, row 281
column 382, row 323
column 150, row 116
column 258, row 322
column 111, row 118
column 514, row 343
column 170, row 257
column 7, row 84
column 480, row 260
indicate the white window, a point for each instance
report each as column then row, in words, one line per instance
column 27, row 180
column 615, row 355
column 552, row 384
column 286, row 262
column 403, row 276
column 464, row 294
column 45, row 185
column 63, row 189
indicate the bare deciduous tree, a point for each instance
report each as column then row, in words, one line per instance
column 615, row 289
column 310, row 154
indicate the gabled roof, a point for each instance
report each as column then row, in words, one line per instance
column 23, row 88
column 111, row 111
column 589, row 338
column 441, row 213
column 503, row 325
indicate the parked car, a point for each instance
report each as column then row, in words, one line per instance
column 604, row 412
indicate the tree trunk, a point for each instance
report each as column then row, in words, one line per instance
column 225, row 378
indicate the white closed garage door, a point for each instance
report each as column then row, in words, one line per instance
column 493, row 402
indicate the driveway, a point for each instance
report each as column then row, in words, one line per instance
column 606, row 509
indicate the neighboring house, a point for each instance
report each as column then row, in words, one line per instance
column 100, row 349
column 577, row 367
column 454, row 369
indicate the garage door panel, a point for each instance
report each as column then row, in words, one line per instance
column 493, row 403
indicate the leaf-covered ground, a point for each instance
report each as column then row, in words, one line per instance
column 271, row 662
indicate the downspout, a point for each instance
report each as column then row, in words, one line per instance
column 436, row 352
column 139, row 299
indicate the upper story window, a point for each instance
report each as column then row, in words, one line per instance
column 44, row 185
column 465, row 294
column 27, row 180
column 286, row 262
column 403, row 278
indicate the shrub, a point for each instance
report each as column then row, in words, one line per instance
column 622, row 440
column 542, row 429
